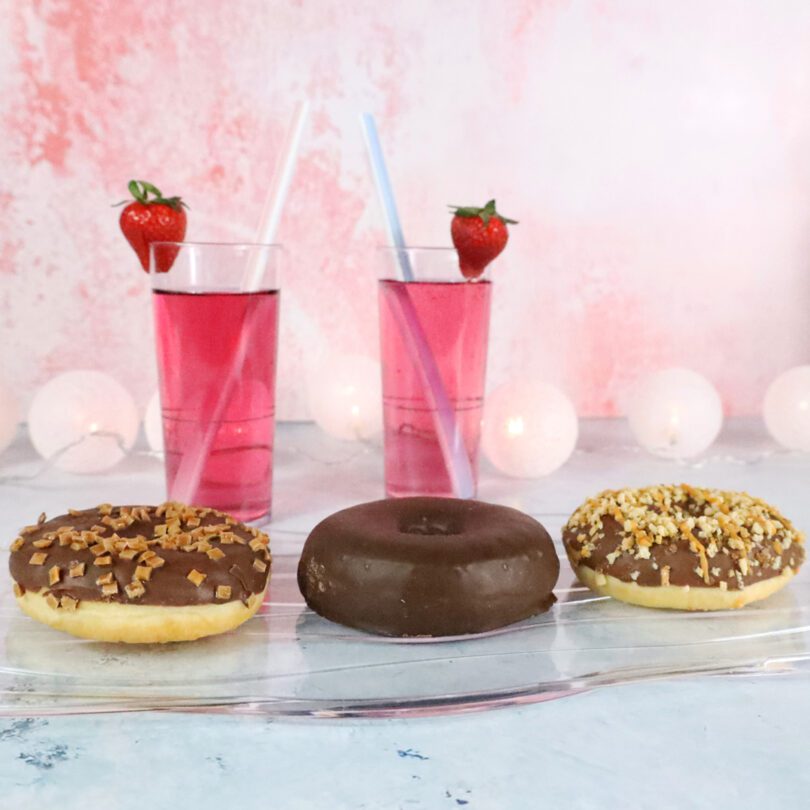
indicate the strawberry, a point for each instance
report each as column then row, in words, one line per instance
column 161, row 219
column 479, row 235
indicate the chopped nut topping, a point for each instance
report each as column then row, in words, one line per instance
column 52, row 601
column 143, row 572
column 128, row 554
column 223, row 592
column 155, row 562
column 42, row 543
column 18, row 590
column 106, row 560
column 215, row 553
column 260, row 565
column 196, row 577
column 110, row 589
column 105, row 579
column 76, row 570
column 98, row 549
column 147, row 554
column 54, row 574
column 38, row 558
column 41, row 519
column 258, row 543
column 17, row 544
column 105, row 508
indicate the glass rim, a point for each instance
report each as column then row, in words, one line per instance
column 161, row 242
column 408, row 248
column 435, row 263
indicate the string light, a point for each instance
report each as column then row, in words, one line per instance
column 675, row 413
column 9, row 417
column 83, row 421
column 786, row 409
column 530, row 429
column 344, row 396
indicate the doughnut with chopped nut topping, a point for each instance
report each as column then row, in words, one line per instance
column 140, row 574
column 682, row 547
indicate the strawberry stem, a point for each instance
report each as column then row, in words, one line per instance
column 486, row 213
column 141, row 189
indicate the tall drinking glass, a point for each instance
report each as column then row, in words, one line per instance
column 452, row 314
column 216, row 347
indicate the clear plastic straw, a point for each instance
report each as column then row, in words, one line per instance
column 190, row 470
column 451, row 440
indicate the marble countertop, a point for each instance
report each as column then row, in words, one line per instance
column 684, row 743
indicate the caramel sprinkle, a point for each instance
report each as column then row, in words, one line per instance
column 69, row 604
column 54, row 574
column 77, row 570
column 38, row 558
column 135, row 589
column 17, row 544
column 196, row 577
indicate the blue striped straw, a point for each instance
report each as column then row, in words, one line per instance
column 385, row 191
column 450, row 437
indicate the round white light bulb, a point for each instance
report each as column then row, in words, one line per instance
column 153, row 423
column 675, row 413
column 530, row 428
column 85, row 421
column 345, row 396
column 787, row 409
column 9, row 417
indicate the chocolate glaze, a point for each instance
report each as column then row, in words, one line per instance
column 428, row 567
column 168, row 585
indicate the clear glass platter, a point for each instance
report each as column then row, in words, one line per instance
column 287, row 661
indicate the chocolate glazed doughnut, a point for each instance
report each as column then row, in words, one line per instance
column 428, row 567
column 140, row 574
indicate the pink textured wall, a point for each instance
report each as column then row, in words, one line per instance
column 657, row 155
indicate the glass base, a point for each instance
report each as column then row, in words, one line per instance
column 396, row 492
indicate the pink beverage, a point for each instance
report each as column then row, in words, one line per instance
column 199, row 335
column 455, row 320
